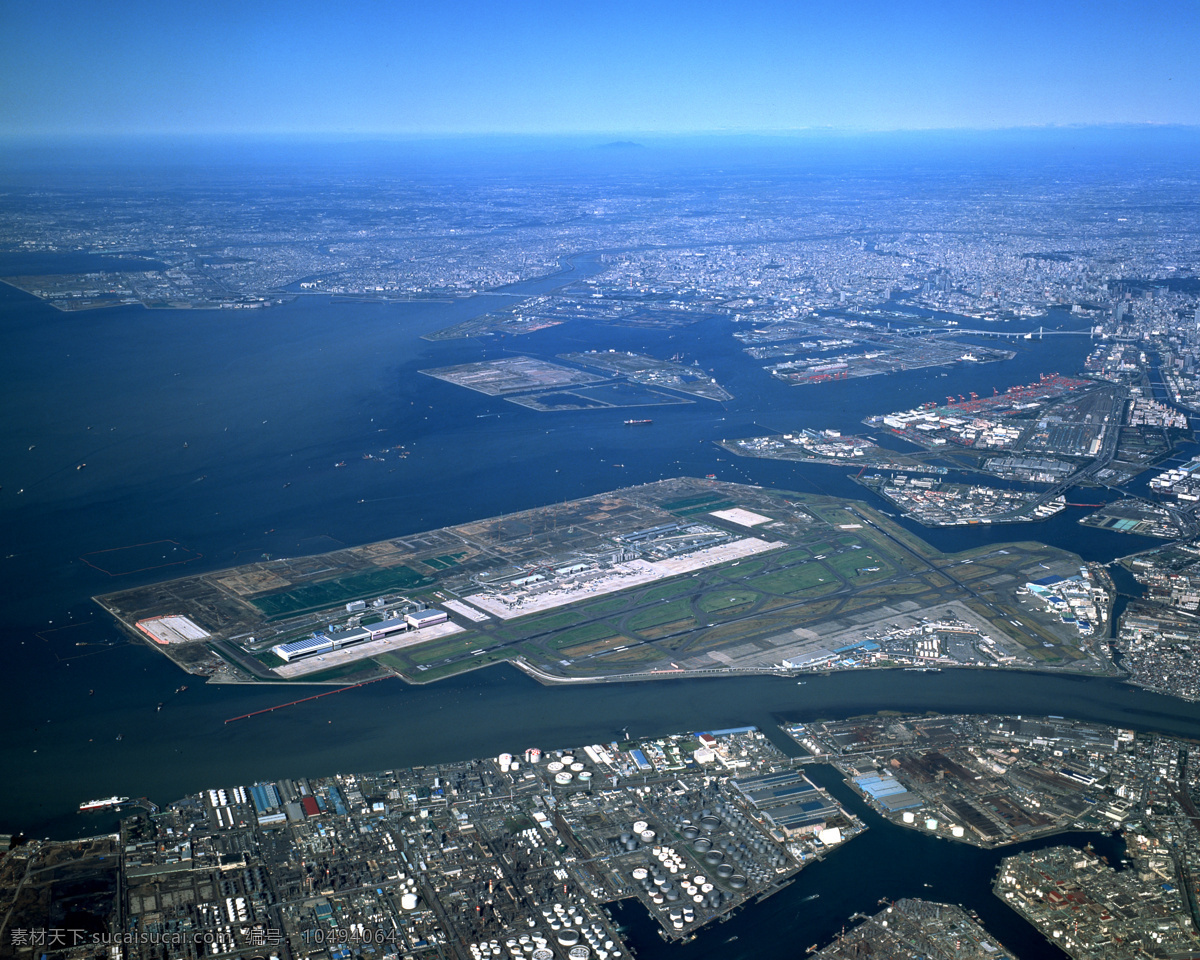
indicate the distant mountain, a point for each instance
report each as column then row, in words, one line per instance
column 622, row 145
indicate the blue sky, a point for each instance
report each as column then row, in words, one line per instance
column 460, row 67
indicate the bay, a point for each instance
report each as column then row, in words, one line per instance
column 213, row 435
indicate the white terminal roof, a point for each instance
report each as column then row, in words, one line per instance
column 741, row 517
column 172, row 629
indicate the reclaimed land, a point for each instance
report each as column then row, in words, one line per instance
column 682, row 576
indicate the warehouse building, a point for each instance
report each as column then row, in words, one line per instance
column 426, row 618
column 789, row 801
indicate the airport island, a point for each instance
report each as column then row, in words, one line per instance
column 677, row 577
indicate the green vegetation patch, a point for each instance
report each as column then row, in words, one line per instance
column 747, row 568
column 584, row 634
column 332, row 593
column 444, row 562
column 556, row 621
column 450, row 669
column 850, row 563
column 668, row 591
column 805, row 578
column 439, row 650
column 721, row 600
column 611, row 605
column 660, row 613
column 789, row 557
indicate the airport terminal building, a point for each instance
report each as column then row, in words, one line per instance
column 325, row 641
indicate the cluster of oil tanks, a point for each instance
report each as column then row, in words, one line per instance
column 533, row 946
column 667, row 884
column 571, row 929
column 408, row 893
column 568, row 769
column 527, row 945
column 739, row 852
column 485, row 950
column 639, row 834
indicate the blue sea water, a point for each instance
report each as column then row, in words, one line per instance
column 214, row 434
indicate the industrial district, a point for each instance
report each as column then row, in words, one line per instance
column 524, row 855
column 1058, row 433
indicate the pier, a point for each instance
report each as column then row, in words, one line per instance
column 315, row 696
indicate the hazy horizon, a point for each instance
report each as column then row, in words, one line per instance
column 468, row 67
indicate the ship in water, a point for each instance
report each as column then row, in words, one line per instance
column 636, row 423
column 108, row 804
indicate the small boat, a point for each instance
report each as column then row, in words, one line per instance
column 637, row 423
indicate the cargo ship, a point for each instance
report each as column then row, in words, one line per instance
column 110, row 803
column 636, row 423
